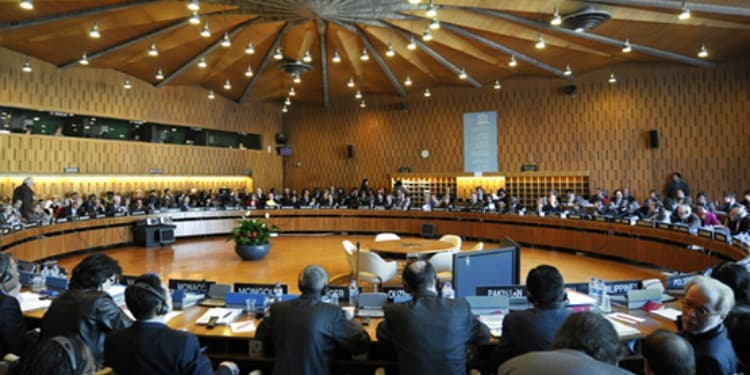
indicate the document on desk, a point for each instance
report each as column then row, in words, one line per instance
column 31, row 301
column 244, row 326
column 494, row 322
column 623, row 329
column 223, row 315
column 667, row 313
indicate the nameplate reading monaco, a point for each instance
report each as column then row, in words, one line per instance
column 679, row 281
column 264, row 289
column 510, row 291
column 200, row 286
column 394, row 292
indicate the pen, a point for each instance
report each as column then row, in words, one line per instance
column 243, row 325
column 226, row 315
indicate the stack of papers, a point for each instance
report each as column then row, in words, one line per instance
column 224, row 315
column 622, row 329
column 668, row 313
column 31, row 301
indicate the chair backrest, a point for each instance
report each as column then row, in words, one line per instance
column 453, row 239
column 477, row 247
column 349, row 247
column 380, row 237
column 443, row 262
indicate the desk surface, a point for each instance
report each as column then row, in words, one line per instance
column 406, row 247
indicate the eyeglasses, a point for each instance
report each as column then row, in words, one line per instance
column 700, row 311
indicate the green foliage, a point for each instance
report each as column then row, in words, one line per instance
column 250, row 231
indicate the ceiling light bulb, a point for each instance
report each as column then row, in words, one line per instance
column 296, row 79
column 287, row 102
column 435, row 24
column 127, row 85
column 27, row 4
column 227, row 85
column 362, row 104
column 390, row 52
column 193, row 5
column 84, row 59
column 226, row 42
column 153, row 51
column 336, row 57
column 195, row 19
column 512, row 63
column 427, row 93
column 94, row 33
column 627, row 48
column 292, row 92
column 463, row 74
column 568, row 72
column 26, row 66
column 211, row 95
column 407, row 81
column 540, row 42
column 685, row 14
column 249, row 71
column 412, row 44
column 284, row 109
column 250, row 49
column 427, row 36
column 308, row 57
column 358, row 95
column 497, row 85
column 159, row 75
column 431, row 10
column 351, row 82
column 206, row 32
column 278, row 55
column 414, row 2
column 612, row 78
column 364, row 56
column 202, row 63
column 703, row 53
column 556, row 19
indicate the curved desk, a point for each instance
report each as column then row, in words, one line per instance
column 407, row 248
column 660, row 247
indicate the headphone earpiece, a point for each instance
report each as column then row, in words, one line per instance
column 163, row 304
column 5, row 276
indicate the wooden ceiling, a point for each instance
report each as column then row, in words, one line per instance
column 476, row 36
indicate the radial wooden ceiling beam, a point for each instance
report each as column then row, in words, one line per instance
column 677, row 5
column 322, row 31
column 75, row 14
column 379, row 59
column 200, row 54
column 594, row 37
column 264, row 64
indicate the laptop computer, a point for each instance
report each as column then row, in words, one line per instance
column 371, row 305
column 484, row 305
column 216, row 294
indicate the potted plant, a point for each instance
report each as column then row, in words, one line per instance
column 251, row 237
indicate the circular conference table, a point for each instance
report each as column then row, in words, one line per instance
column 407, row 248
column 665, row 248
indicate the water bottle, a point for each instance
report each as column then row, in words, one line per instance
column 353, row 293
column 277, row 292
column 333, row 298
column 447, row 291
column 605, row 304
column 593, row 286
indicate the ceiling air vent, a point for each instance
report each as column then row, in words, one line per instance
column 585, row 19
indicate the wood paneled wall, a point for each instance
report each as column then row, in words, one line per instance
column 99, row 92
column 702, row 116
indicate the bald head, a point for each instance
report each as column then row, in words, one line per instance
column 313, row 279
column 668, row 353
column 419, row 276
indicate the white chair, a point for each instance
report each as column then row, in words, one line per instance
column 479, row 246
column 443, row 263
column 380, row 237
column 453, row 239
column 374, row 269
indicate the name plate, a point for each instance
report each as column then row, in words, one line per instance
column 342, row 292
column 663, row 225
column 199, row 286
column 680, row 228
column 578, row 287
column 513, row 292
column 705, row 233
column 722, row 237
column 264, row 289
column 622, row 287
column 645, row 223
column 679, row 281
column 395, row 293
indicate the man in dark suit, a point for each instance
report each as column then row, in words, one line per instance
column 429, row 334
column 149, row 346
column 25, row 195
column 13, row 336
column 534, row 329
column 304, row 333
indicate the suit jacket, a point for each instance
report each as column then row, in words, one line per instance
column 13, row 337
column 87, row 314
column 430, row 334
column 527, row 331
column 304, row 333
column 24, row 194
column 713, row 351
column 153, row 348
column 558, row 362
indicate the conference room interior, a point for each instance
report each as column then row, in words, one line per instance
column 661, row 116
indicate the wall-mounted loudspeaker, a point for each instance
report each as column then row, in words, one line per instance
column 653, row 138
column 570, row 90
column 350, row 151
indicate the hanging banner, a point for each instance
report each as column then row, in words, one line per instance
column 480, row 142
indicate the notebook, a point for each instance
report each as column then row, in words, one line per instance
column 224, row 316
column 371, row 305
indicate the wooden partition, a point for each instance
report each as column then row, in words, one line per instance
column 660, row 247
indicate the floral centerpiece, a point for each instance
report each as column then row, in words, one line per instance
column 251, row 237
